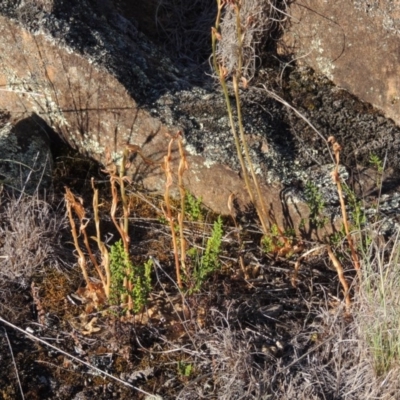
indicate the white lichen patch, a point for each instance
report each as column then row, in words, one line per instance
column 191, row 150
column 116, row 157
column 326, row 66
column 92, row 145
column 208, row 163
column 53, row 110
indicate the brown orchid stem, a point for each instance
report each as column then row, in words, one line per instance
column 79, row 210
column 168, row 212
column 183, row 166
column 336, row 177
column 342, row 279
column 102, row 247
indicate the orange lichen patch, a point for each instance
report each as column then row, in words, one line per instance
column 54, row 291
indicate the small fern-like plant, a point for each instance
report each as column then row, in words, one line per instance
column 128, row 279
column 193, row 207
column 209, row 262
column 378, row 164
column 316, row 204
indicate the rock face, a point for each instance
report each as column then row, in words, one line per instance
column 354, row 43
column 102, row 84
column 87, row 70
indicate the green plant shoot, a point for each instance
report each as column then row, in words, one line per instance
column 123, row 271
column 210, row 260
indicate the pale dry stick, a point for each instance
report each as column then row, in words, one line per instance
column 336, row 178
column 221, row 73
column 70, row 202
column 15, row 364
column 258, row 202
column 215, row 35
column 342, row 279
column 168, row 213
column 33, row 337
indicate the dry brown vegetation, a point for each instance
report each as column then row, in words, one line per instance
column 248, row 334
column 224, row 317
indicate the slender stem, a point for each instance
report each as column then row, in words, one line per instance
column 168, row 213
column 125, row 206
column 183, row 166
column 336, row 176
column 258, row 203
column 236, row 137
column 103, row 249
column 342, row 279
column 70, row 202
